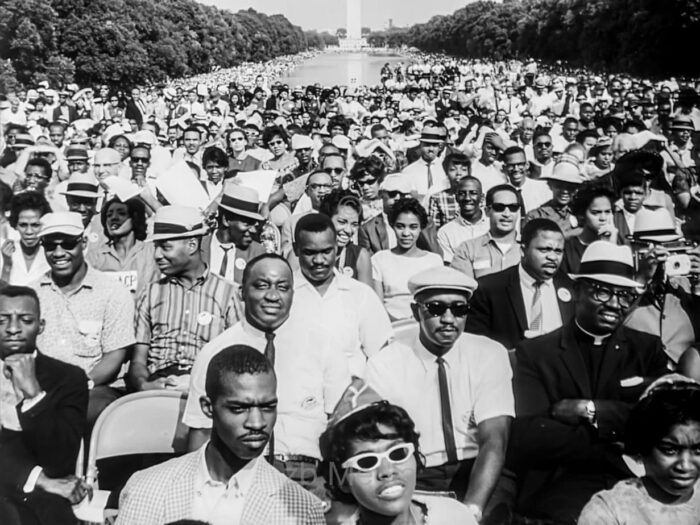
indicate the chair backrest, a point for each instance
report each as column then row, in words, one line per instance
column 405, row 331
column 147, row 422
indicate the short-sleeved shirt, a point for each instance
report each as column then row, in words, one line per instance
column 311, row 377
column 177, row 321
column 136, row 271
column 349, row 312
column 479, row 382
column 83, row 325
column 483, row 256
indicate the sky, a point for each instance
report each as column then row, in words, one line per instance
column 330, row 14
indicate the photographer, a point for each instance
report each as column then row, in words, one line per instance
column 670, row 268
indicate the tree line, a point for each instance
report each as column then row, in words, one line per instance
column 125, row 42
column 642, row 37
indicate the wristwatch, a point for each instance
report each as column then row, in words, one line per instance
column 476, row 511
column 591, row 413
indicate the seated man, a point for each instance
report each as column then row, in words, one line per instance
column 455, row 386
column 225, row 481
column 181, row 312
column 89, row 315
column 529, row 299
column 82, row 192
column 43, row 404
column 311, row 372
column 574, row 388
column 233, row 243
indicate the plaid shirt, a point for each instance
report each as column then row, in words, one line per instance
column 443, row 207
column 176, row 322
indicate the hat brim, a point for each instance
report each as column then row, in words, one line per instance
column 434, row 141
column 608, row 278
column 173, row 236
column 71, row 231
column 656, row 238
column 80, row 193
column 461, row 289
column 243, row 213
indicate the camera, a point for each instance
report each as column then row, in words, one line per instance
column 677, row 264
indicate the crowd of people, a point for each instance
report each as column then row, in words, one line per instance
column 467, row 294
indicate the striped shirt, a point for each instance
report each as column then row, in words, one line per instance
column 177, row 321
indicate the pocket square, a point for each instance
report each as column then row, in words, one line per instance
column 631, row 381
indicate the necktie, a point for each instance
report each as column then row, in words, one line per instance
column 430, row 176
column 536, row 309
column 447, row 429
column 224, row 260
column 521, row 202
column 270, row 347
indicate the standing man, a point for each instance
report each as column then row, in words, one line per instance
column 531, row 193
column 225, row 480
column 529, row 299
column 487, row 168
column 455, row 386
column 498, row 249
column 89, row 316
column 191, row 150
column 233, row 244
column 181, row 312
column 43, row 404
column 574, row 388
column 347, row 309
column 427, row 175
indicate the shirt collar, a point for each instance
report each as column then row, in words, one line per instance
column 88, row 281
column 199, row 281
column 464, row 222
column 241, row 480
column 596, row 340
column 428, row 359
column 528, row 280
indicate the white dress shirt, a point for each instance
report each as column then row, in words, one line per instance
column 489, row 176
column 535, row 193
column 350, row 313
column 219, row 503
column 479, row 382
column 417, row 173
column 551, row 317
column 216, row 257
column 311, row 377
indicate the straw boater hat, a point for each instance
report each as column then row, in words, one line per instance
column 607, row 263
column 654, row 226
column 241, row 200
column 566, row 170
column 433, row 134
column 683, row 122
column 82, row 185
column 177, row 222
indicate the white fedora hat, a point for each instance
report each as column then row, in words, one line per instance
column 607, row 263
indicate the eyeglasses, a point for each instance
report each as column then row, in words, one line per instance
column 499, row 207
column 334, row 171
column 315, row 186
column 438, row 309
column 237, row 139
column 275, row 143
column 543, row 144
column 50, row 245
column 603, row 294
column 144, row 160
column 366, row 182
column 369, row 461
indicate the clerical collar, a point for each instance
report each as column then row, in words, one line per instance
column 597, row 340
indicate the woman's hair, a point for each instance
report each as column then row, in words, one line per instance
column 28, row 200
column 272, row 132
column 115, row 138
column 338, row 197
column 665, row 405
column 214, row 154
column 408, row 206
column 368, row 166
column 137, row 212
column 362, row 426
column 587, row 193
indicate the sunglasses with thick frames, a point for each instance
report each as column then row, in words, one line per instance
column 69, row 244
column 499, row 207
column 369, row 461
column 438, row 309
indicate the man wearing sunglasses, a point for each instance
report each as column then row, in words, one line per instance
column 89, row 316
column 460, row 394
column 574, row 388
column 498, row 248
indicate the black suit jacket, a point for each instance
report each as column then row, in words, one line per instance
column 551, row 368
column 498, row 310
column 373, row 236
column 51, row 429
column 72, row 113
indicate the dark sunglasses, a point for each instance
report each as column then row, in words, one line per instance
column 50, row 245
column 438, row 309
column 145, row 160
column 336, row 171
column 499, row 207
column 366, row 182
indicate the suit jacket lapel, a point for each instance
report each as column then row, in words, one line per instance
column 382, row 233
column 514, row 296
column 566, row 308
column 615, row 349
column 258, row 504
column 573, row 361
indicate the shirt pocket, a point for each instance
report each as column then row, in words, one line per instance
column 90, row 332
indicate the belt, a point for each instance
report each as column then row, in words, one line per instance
column 296, row 458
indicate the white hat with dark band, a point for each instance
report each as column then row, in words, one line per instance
column 607, row 263
column 177, row 222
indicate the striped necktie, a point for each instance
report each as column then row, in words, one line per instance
column 536, row 309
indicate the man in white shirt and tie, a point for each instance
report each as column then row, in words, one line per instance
column 455, row 386
column 426, row 174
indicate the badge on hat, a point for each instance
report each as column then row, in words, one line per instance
column 204, row 318
column 564, row 295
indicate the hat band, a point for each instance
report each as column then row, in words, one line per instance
column 82, row 186
column 606, row 267
column 654, row 233
column 239, row 204
column 167, row 228
column 432, row 136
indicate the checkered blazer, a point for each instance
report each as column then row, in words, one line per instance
column 163, row 494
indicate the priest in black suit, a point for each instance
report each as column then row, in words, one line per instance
column 529, row 299
column 43, row 406
column 574, row 389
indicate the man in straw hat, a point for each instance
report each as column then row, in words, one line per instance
column 574, row 388
column 460, row 396
column 426, row 174
column 188, row 307
column 233, row 243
